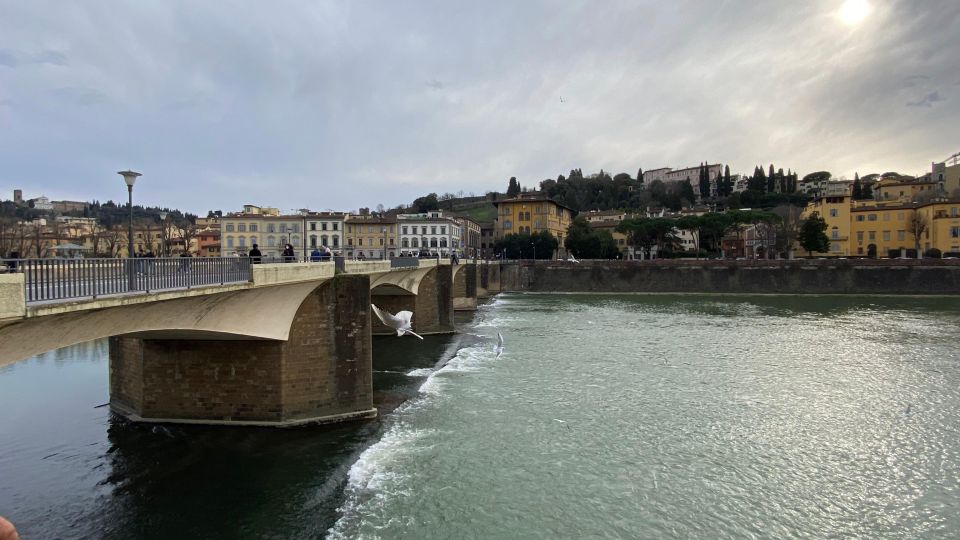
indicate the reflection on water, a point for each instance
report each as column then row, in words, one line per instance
column 70, row 469
column 606, row 416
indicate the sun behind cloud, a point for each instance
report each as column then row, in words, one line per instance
column 853, row 12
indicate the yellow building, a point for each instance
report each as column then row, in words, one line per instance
column 369, row 236
column 878, row 229
column 532, row 212
column 835, row 210
column 897, row 189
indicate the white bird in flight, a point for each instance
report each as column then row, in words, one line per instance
column 499, row 348
column 399, row 322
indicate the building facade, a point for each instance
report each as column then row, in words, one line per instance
column 429, row 233
column 370, row 236
column 470, row 232
column 325, row 230
column 533, row 212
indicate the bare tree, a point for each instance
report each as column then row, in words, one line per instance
column 188, row 231
column 917, row 225
column 788, row 228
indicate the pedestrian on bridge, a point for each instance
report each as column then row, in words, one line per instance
column 255, row 254
column 315, row 255
column 288, row 254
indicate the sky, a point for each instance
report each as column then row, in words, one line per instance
column 341, row 105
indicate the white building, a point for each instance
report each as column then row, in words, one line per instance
column 42, row 203
column 325, row 229
column 429, row 232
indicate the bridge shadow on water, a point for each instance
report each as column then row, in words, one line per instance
column 184, row 481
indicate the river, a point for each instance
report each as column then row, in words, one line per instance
column 605, row 416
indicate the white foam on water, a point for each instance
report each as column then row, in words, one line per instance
column 373, row 479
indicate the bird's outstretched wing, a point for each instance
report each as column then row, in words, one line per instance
column 393, row 321
column 499, row 348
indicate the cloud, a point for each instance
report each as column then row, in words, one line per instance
column 334, row 105
column 926, row 101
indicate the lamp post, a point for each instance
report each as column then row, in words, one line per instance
column 534, row 246
column 130, row 178
column 163, row 234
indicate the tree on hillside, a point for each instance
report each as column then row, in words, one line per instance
column 640, row 176
column 587, row 243
column 513, row 188
column 857, row 193
column 425, row 204
column 819, row 176
column 704, row 183
column 867, row 192
column 686, row 193
column 813, row 234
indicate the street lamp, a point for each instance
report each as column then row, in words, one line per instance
column 163, row 234
column 130, row 178
column 534, row 246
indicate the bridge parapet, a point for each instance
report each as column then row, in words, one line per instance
column 366, row 267
column 280, row 273
column 13, row 301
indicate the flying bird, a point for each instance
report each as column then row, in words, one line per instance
column 562, row 100
column 399, row 322
column 499, row 348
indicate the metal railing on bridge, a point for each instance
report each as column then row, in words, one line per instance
column 63, row 279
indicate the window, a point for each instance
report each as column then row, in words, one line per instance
column 360, row 241
column 834, row 246
column 508, row 225
column 443, row 241
column 242, row 227
column 271, row 241
column 413, row 242
column 900, row 216
column 271, row 228
column 901, row 235
column 313, row 227
column 871, row 217
column 324, row 240
column 433, row 229
column 860, row 217
column 253, row 240
column 886, row 216
column 886, row 236
column 350, row 242
column 423, row 230
column 404, row 231
column 443, row 230
column 230, row 242
column 833, row 212
column 253, row 227
column 369, row 241
column 323, row 226
column 835, row 234
column 369, row 228
column 954, row 232
column 381, row 241
column 336, row 226
column 230, row 228
column 953, row 212
column 873, row 236
column 404, row 243
column 433, row 242
column 336, row 241
column 296, row 228
column 391, row 240
column 313, row 238
column 243, row 241
column 860, row 236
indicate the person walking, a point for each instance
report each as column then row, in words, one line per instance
column 288, row 254
column 255, row 255
column 315, row 255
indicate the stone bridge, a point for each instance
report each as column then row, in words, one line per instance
column 290, row 346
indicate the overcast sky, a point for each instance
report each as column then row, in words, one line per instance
column 347, row 104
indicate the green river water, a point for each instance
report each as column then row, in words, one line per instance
column 605, row 417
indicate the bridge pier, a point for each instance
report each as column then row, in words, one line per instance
column 321, row 373
column 431, row 304
column 465, row 288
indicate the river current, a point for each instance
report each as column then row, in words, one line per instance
column 605, row 416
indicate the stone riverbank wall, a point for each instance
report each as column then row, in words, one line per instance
column 798, row 276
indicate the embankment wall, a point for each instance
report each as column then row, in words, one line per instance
column 907, row 277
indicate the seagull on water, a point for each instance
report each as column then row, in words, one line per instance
column 399, row 322
column 499, row 348
column 572, row 259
